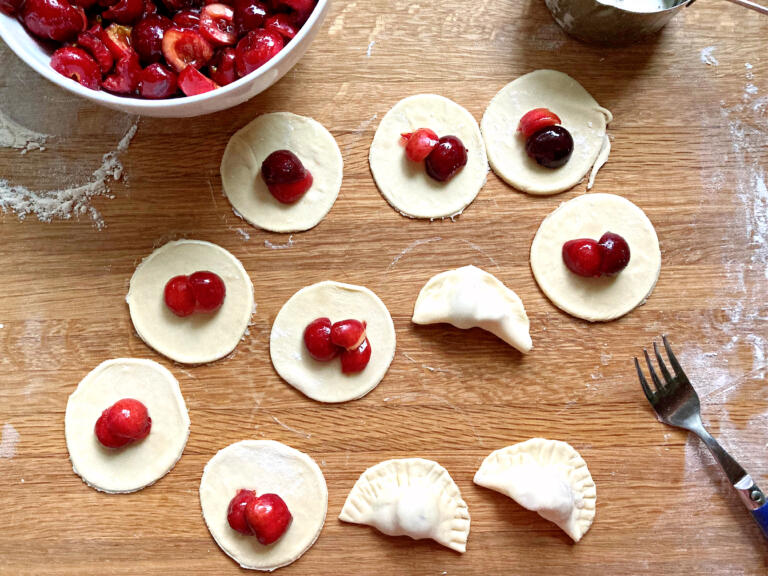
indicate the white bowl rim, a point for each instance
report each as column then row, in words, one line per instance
column 139, row 104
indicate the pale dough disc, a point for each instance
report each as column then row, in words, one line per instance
column 324, row 381
column 591, row 216
column 245, row 188
column 267, row 467
column 584, row 118
column 139, row 464
column 405, row 184
column 198, row 338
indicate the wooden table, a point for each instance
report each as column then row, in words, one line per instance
column 690, row 146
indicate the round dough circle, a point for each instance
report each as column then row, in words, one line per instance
column 267, row 467
column 199, row 338
column 140, row 464
column 584, row 118
column 405, row 184
column 590, row 216
column 245, row 188
column 324, row 381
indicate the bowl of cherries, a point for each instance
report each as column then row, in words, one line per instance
column 166, row 58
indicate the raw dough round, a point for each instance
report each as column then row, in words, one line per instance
column 198, row 338
column 591, row 216
column 267, row 467
column 139, row 464
column 584, row 118
column 405, row 184
column 324, row 381
column 245, row 188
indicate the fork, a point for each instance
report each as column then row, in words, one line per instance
column 676, row 403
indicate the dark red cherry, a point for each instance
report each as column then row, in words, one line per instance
column 550, row 146
column 147, row 38
column 157, row 81
column 53, row 19
column 285, row 176
column 317, row 339
column 447, row 158
column 583, row 257
column 249, row 15
column 209, row 290
column 615, row 253
column 256, row 49
column 77, row 64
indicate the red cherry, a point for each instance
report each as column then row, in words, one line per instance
column 301, row 9
column 256, row 49
column 285, row 176
column 77, row 64
column 10, row 7
column 217, row 24
column 535, row 120
column 104, row 434
column 419, row 143
column 353, row 361
column 249, row 15
column 129, row 418
column 183, row 48
column 117, row 38
column 187, row 19
column 147, row 38
column 53, row 19
column 236, row 511
column 209, row 291
column 193, row 82
column 583, row 257
column 446, row 159
column 268, row 517
column 157, row 81
column 179, row 296
column 174, row 6
column 222, row 67
column 125, row 79
column 150, row 8
column 91, row 41
column 283, row 24
column 615, row 253
column 348, row 334
column 317, row 339
column 125, row 11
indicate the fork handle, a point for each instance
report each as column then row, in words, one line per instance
column 749, row 493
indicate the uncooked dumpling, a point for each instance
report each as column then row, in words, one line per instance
column 469, row 297
column 546, row 476
column 410, row 497
column 579, row 113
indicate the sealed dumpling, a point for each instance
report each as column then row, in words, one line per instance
column 469, row 297
column 410, row 497
column 546, row 476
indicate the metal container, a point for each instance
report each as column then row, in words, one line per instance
column 593, row 21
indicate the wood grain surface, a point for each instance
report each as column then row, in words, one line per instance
column 690, row 145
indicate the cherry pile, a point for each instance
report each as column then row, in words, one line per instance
column 124, row 422
column 267, row 516
column 592, row 259
column 285, row 176
column 199, row 292
column 154, row 50
column 346, row 339
column 443, row 157
column 546, row 142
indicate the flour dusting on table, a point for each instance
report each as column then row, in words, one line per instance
column 8, row 440
column 70, row 201
column 14, row 135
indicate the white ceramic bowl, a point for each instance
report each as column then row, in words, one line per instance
column 31, row 52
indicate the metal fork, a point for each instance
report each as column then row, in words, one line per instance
column 676, row 403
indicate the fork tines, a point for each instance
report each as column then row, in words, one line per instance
column 669, row 380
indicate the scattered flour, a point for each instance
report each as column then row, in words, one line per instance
column 63, row 204
column 370, row 48
column 8, row 441
column 410, row 247
column 299, row 432
column 289, row 244
column 246, row 236
column 707, row 57
column 14, row 135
